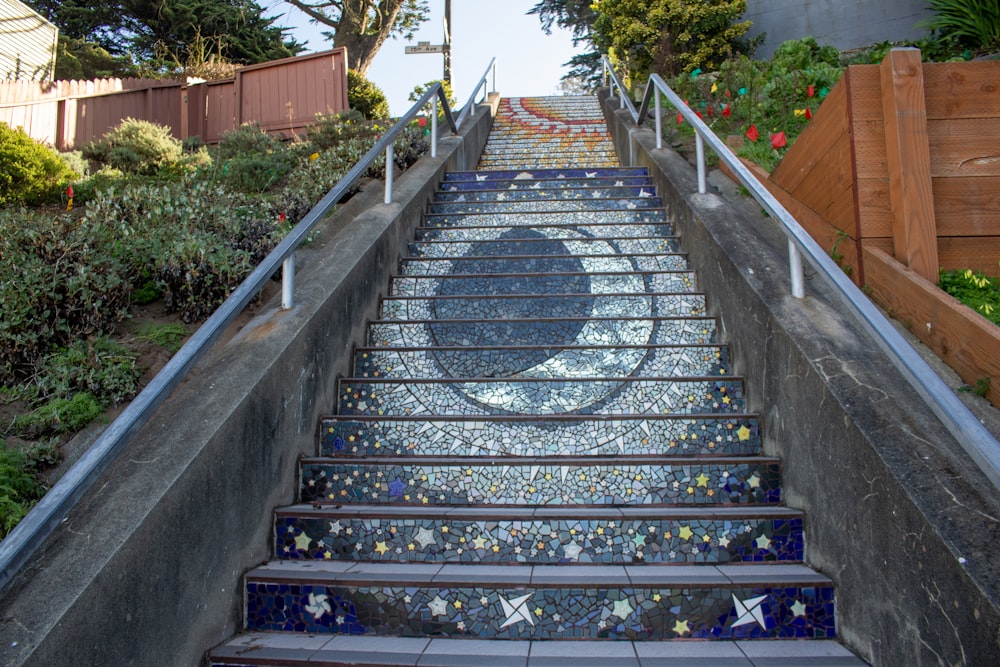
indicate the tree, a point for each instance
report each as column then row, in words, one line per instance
column 160, row 33
column 669, row 37
column 577, row 16
column 363, row 26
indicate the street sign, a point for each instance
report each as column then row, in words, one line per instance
column 425, row 47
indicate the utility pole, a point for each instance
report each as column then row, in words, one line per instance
column 447, row 41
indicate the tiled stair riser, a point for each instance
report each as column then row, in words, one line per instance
column 570, row 482
column 573, row 435
column 528, row 177
column 587, row 194
column 641, row 223
column 543, row 206
column 431, row 266
column 521, row 610
column 552, row 185
column 314, row 534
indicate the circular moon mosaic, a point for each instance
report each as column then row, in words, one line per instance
column 604, row 286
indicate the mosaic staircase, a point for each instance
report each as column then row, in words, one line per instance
column 542, row 440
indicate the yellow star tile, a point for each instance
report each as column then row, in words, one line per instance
column 743, row 433
column 682, row 627
column 381, row 547
column 685, row 533
column 702, row 480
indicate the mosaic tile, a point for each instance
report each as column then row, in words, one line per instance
column 548, row 311
column 584, row 282
column 542, row 183
column 629, row 223
column 570, row 482
column 544, row 438
column 539, row 540
column 629, row 613
column 551, row 436
column 585, row 394
column 514, row 194
column 546, row 174
column 505, row 362
column 543, row 205
column 531, row 242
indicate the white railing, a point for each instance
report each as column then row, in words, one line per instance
column 974, row 438
column 41, row 521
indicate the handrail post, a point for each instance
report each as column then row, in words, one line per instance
column 434, row 126
column 388, row 173
column 699, row 149
column 795, row 269
column 659, row 120
column 288, row 282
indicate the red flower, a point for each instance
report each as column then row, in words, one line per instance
column 809, row 113
column 778, row 140
column 726, row 111
column 811, row 91
column 752, row 133
column 680, row 118
column 421, row 121
column 69, row 192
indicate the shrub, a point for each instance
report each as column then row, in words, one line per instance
column 31, row 173
column 100, row 366
column 60, row 281
column 975, row 23
column 135, row 147
column 252, row 160
column 365, row 97
column 58, row 416
column 329, row 130
column 20, row 484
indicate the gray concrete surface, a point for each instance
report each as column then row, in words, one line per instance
column 845, row 24
column 896, row 513
column 147, row 570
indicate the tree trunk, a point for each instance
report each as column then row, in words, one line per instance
column 363, row 34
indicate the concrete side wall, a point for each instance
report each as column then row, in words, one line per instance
column 845, row 24
column 892, row 503
column 148, row 569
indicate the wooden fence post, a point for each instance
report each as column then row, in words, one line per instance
column 914, row 229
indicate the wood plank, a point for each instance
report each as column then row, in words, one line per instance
column 979, row 253
column 826, row 185
column 964, row 339
column 962, row 90
column 870, row 159
column 875, row 212
column 965, row 147
column 827, row 128
column 910, row 193
column 967, row 206
column 864, row 93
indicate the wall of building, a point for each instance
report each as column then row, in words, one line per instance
column 845, row 24
column 27, row 43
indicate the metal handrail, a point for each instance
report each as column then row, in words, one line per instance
column 45, row 516
column 974, row 438
column 471, row 104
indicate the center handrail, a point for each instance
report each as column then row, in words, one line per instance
column 45, row 516
column 971, row 434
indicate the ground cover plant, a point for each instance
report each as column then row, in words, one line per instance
column 103, row 275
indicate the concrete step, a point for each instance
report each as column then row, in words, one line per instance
column 533, row 535
column 314, row 650
column 591, row 480
column 610, row 602
column 552, row 435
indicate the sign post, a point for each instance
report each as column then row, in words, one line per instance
column 445, row 49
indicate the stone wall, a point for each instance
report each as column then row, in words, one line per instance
column 845, row 24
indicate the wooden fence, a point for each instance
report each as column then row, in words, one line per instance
column 898, row 175
column 282, row 95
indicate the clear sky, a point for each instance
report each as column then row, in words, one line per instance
column 529, row 62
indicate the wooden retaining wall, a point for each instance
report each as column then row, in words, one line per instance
column 898, row 176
